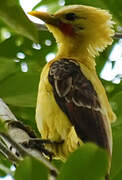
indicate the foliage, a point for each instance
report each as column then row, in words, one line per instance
column 32, row 170
column 23, row 53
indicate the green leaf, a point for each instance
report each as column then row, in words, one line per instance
column 89, row 161
column 13, row 15
column 117, row 151
column 4, row 166
column 2, row 126
column 31, row 169
column 96, row 3
column 117, row 103
column 7, row 68
column 52, row 6
column 115, row 7
column 117, row 133
column 118, row 176
column 20, row 89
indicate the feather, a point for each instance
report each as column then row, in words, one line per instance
column 83, row 107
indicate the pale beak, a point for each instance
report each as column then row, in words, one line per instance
column 46, row 17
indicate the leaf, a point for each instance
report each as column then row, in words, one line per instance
column 20, row 89
column 118, row 176
column 13, row 15
column 4, row 166
column 86, row 2
column 2, row 126
column 115, row 7
column 88, row 161
column 117, row 103
column 7, row 68
column 117, row 151
column 52, row 6
column 30, row 169
column 117, row 133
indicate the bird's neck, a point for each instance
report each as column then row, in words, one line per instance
column 76, row 49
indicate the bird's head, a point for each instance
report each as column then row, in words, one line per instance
column 80, row 26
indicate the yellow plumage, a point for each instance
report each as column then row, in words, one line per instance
column 52, row 123
column 93, row 33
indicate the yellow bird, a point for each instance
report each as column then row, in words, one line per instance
column 72, row 104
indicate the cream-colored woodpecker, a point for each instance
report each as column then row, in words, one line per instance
column 72, row 104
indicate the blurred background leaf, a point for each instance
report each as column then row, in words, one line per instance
column 13, row 15
column 52, row 6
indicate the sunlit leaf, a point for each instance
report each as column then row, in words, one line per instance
column 13, row 15
column 52, row 6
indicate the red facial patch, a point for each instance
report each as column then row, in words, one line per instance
column 67, row 29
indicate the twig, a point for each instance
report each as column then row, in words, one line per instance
column 15, row 145
column 41, row 27
column 11, row 157
column 118, row 35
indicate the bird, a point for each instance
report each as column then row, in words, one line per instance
column 72, row 105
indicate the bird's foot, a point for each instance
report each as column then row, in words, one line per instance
column 38, row 144
column 32, row 141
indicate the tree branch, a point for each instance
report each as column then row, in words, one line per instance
column 14, row 137
column 41, row 27
column 118, row 35
column 8, row 154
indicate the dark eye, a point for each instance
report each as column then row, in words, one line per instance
column 70, row 16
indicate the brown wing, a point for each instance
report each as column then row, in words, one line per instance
column 77, row 98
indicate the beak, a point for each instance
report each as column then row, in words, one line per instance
column 46, row 17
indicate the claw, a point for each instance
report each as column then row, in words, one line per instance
column 38, row 144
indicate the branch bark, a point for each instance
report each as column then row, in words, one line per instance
column 118, row 35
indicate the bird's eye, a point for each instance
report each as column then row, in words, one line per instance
column 70, row 16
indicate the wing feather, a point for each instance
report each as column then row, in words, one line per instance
column 77, row 98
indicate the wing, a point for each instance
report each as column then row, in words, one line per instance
column 77, row 98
